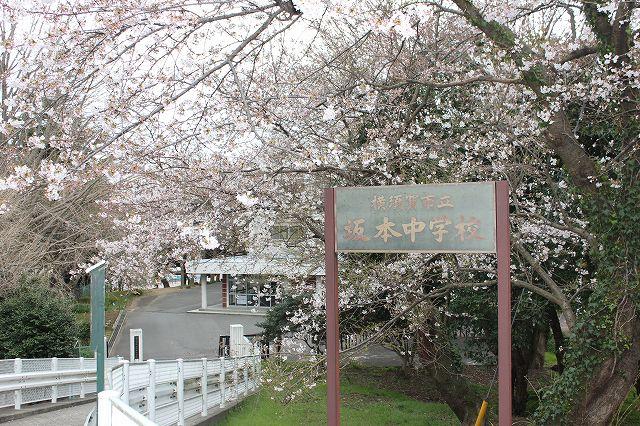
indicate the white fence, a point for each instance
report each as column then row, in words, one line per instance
column 114, row 411
column 24, row 381
column 350, row 340
column 168, row 392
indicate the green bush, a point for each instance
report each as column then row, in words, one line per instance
column 82, row 308
column 84, row 329
column 36, row 322
column 86, row 352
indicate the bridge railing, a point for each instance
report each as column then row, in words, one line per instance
column 25, row 381
column 114, row 411
column 168, row 392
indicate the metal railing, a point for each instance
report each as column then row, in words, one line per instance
column 350, row 340
column 25, row 381
column 115, row 412
column 168, row 392
column 117, row 326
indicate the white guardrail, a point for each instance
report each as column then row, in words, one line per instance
column 168, row 392
column 114, row 411
column 24, row 381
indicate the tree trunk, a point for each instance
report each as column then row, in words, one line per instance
column 558, row 337
column 165, row 282
column 454, row 389
column 539, row 348
column 183, row 274
column 612, row 380
column 520, row 362
column 523, row 359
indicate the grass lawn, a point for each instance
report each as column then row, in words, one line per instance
column 550, row 359
column 361, row 405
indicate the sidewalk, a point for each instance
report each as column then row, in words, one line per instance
column 63, row 413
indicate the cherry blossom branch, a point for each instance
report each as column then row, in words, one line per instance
column 454, row 83
column 185, row 90
column 578, row 231
column 559, row 136
column 431, row 295
column 564, row 304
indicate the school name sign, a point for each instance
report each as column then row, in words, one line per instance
column 443, row 218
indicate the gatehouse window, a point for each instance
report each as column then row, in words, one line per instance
column 252, row 291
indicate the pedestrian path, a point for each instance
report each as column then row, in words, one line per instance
column 70, row 416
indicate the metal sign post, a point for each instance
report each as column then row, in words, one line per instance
column 503, row 251
column 97, row 272
column 444, row 218
column 331, row 295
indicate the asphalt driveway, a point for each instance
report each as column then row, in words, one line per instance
column 170, row 332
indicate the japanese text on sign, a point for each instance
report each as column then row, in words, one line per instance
column 417, row 218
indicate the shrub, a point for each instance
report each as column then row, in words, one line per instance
column 82, row 308
column 84, row 329
column 36, row 322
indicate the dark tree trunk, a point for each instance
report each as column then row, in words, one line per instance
column 611, row 382
column 558, row 337
column 524, row 359
column 165, row 282
column 183, row 274
column 520, row 362
column 540, row 348
column 455, row 390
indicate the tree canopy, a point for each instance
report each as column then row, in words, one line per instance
column 145, row 132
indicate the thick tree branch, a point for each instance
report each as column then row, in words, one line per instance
column 578, row 53
column 435, row 293
column 555, row 289
column 559, row 135
column 537, row 290
column 598, row 21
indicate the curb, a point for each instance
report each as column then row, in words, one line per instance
column 219, row 415
column 225, row 312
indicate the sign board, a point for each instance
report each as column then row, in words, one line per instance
column 443, row 218
column 135, row 345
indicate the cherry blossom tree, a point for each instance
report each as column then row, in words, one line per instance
column 542, row 95
column 209, row 122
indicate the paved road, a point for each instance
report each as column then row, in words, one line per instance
column 72, row 416
column 170, row 331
